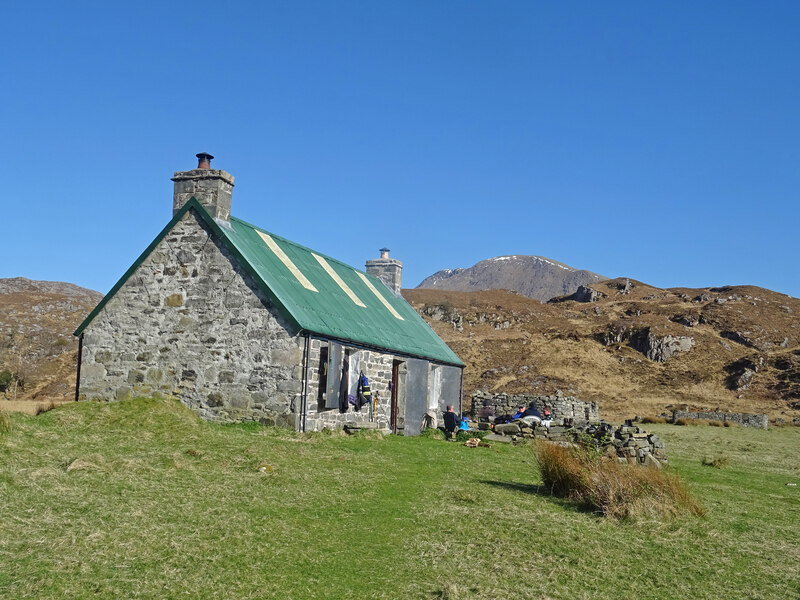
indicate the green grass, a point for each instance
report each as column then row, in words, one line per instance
column 140, row 499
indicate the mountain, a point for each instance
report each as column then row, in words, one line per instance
column 631, row 347
column 533, row 276
column 37, row 319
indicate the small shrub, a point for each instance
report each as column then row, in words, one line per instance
column 654, row 420
column 730, row 424
column 681, row 422
column 718, row 462
column 610, row 488
column 715, row 423
column 6, row 378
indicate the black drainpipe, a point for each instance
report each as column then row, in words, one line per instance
column 78, row 378
column 304, row 401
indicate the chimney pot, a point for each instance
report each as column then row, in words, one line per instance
column 384, row 252
column 204, row 160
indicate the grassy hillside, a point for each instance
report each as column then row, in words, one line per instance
column 745, row 358
column 141, row 499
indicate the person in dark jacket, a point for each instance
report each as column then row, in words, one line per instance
column 450, row 421
column 532, row 411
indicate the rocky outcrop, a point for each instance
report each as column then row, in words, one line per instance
column 660, row 348
column 445, row 314
column 586, row 294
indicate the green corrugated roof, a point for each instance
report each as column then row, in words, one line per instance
column 313, row 299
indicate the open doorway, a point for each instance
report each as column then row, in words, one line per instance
column 397, row 414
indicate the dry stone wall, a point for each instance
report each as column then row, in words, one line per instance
column 629, row 443
column 560, row 406
column 743, row 419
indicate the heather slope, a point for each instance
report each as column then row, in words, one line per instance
column 37, row 319
column 744, row 355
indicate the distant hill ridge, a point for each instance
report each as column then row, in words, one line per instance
column 536, row 277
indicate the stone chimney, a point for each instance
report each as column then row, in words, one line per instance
column 212, row 188
column 386, row 269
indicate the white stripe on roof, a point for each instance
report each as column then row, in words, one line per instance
column 286, row 261
column 378, row 295
column 339, row 281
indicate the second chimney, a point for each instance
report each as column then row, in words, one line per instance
column 213, row 188
column 388, row 270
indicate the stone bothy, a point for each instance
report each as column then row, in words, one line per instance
column 241, row 324
column 388, row 270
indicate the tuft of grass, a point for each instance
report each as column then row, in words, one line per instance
column 613, row 489
column 715, row 423
column 681, row 422
column 718, row 462
column 432, row 434
column 43, row 408
column 450, row 591
column 654, row 420
column 5, row 422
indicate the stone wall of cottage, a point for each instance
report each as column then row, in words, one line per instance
column 190, row 323
column 376, row 366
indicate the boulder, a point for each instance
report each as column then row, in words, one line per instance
column 493, row 437
column 507, row 429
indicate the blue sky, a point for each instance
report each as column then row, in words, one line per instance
column 658, row 141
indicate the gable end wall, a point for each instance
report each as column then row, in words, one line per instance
column 190, row 323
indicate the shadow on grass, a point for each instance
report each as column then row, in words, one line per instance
column 537, row 490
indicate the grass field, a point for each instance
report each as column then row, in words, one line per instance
column 141, row 499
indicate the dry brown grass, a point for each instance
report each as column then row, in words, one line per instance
column 620, row 491
column 29, row 407
column 718, row 462
column 43, row 408
column 651, row 420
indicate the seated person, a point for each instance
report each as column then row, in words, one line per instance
column 547, row 419
column 531, row 415
column 519, row 414
column 450, row 421
column 464, row 425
